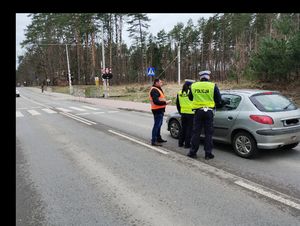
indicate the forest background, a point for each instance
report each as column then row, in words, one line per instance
column 243, row 50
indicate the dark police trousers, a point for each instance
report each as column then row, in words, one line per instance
column 186, row 131
column 204, row 120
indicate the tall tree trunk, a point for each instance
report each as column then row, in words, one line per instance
column 78, row 56
column 86, row 58
column 93, row 57
column 110, row 39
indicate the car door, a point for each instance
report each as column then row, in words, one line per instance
column 225, row 116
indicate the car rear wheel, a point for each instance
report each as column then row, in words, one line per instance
column 175, row 128
column 244, row 145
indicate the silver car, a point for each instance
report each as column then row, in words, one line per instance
column 250, row 120
column 17, row 93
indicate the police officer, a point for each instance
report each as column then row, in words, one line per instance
column 158, row 105
column 205, row 96
column 184, row 108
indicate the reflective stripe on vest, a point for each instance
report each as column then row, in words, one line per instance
column 161, row 98
column 186, row 105
column 203, row 94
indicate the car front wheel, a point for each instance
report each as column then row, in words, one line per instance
column 175, row 128
column 244, row 145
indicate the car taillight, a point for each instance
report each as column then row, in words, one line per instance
column 262, row 119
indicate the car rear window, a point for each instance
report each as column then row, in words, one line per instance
column 272, row 102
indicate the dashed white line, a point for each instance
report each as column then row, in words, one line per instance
column 85, row 113
column 78, row 109
column 19, row 114
column 88, row 107
column 33, row 112
column 64, row 109
column 49, row 110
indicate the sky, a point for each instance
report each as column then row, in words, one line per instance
column 158, row 22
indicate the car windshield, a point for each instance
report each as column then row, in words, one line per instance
column 272, row 102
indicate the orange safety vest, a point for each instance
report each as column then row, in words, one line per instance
column 161, row 98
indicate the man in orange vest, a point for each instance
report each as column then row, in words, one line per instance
column 158, row 105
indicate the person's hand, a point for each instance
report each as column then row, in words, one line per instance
column 168, row 101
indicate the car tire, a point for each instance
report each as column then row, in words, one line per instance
column 174, row 127
column 244, row 145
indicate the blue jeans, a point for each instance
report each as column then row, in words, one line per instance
column 158, row 120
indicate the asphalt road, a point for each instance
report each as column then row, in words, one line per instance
column 83, row 164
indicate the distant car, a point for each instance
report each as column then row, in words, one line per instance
column 17, row 93
column 251, row 120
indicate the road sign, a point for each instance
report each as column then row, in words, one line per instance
column 151, row 71
column 106, row 73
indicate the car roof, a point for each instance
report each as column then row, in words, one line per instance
column 247, row 92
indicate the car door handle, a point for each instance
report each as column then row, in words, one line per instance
column 230, row 117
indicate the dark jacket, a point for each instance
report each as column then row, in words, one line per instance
column 155, row 96
column 177, row 104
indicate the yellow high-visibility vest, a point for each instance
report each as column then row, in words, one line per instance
column 203, row 94
column 186, row 105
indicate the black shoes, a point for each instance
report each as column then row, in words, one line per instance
column 192, row 155
column 209, row 156
column 156, row 144
column 161, row 140
column 185, row 146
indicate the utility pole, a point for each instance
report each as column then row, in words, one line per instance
column 178, row 58
column 103, row 63
column 69, row 73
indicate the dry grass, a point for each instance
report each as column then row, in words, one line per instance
column 139, row 92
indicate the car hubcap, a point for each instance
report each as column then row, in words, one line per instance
column 174, row 129
column 243, row 145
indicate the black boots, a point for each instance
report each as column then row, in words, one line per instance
column 209, row 156
column 156, row 144
column 192, row 155
column 160, row 140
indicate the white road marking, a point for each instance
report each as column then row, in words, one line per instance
column 78, row 109
column 27, row 108
column 19, row 114
column 33, row 112
column 88, row 122
column 88, row 107
column 98, row 112
column 45, row 106
column 278, row 197
column 112, row 111
column 64, row 109
column 49, row 110
column 85, row 113
column 139, row 142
